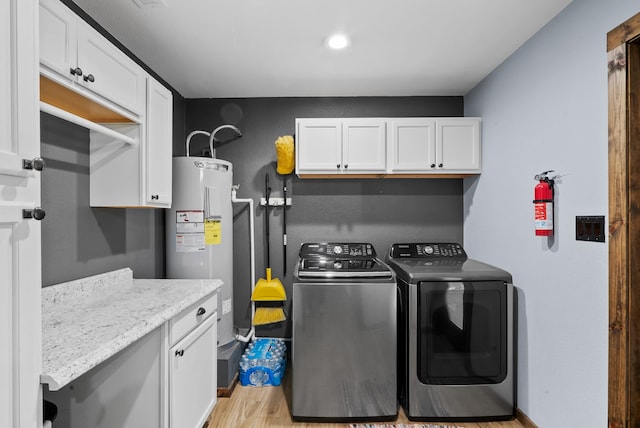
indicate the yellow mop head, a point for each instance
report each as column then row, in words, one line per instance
column 284, row 153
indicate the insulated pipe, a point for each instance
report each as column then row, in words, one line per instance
column 189, row 139
column 234, row 199
column 213, row 135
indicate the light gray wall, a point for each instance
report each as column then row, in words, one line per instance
column 381, row 211
column 546, row 108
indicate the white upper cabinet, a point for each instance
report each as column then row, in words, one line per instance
column 458, row 145
column 138, row 175
column 413, row 146
column 58, row 39
column 110, row 73
column 364, row 145
column 78, row 57
column 88, row 80
column 159, row 145
column 321, row 150
column 340, row 146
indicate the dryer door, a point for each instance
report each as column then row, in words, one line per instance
column 462, row 332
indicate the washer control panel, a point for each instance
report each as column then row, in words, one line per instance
column 337, row 249
column 428, row 251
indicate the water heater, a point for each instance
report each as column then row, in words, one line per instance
column 199, row 230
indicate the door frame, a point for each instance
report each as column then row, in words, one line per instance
column 623, row 62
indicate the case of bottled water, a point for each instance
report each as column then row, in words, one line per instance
column 263, row 362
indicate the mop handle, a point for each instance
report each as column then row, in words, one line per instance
column 266, row 212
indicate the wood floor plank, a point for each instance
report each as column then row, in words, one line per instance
column 268, row 407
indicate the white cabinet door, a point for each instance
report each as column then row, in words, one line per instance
column 159, row 147
column 76, row 55
column 123, row 391
column 121, row 175
column 458, row 145
column 412, row 144
column 193, row 376
column 364, row 145
column 58, row 38
column 107, row 71
column 319, row 146
column 20, row 278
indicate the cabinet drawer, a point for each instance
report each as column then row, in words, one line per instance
column 189, row 319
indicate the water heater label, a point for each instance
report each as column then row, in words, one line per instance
column 190, row 231
column 194, row 216
column 212, row 232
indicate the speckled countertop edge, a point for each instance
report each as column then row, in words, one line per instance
column 85, row 322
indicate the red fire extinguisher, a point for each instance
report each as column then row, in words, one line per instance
column 543, row 204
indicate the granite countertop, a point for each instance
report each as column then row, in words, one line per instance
column 85, row 322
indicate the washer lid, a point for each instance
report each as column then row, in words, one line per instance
column 450, row 263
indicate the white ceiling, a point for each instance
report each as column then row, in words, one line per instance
column 275, row 48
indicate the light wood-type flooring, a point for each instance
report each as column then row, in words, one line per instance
column 268, row 407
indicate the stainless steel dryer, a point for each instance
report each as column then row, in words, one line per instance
column 344, row 334
column 456, row 334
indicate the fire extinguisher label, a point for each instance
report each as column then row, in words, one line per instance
column 544, row 215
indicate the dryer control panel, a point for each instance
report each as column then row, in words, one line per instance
column 438, row 250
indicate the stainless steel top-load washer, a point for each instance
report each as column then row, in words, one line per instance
column 344, row 334
column 457, row 334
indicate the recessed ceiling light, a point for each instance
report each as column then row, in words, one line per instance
column 338, row 41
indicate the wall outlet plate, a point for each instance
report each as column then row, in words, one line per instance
column 590, row 228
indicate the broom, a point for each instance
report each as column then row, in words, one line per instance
column 270, row 289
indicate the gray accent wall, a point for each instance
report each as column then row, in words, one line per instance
column 80, row 241
column 380, row 211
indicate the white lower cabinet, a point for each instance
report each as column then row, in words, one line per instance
column 166, row 379
column 192, row 376
column 125, row 391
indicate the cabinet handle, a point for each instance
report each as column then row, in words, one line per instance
column 439, row 165
column 201, row 311
column 89, row 78
column 179, row 352
column 36, row 213
column 338, row 166
column 76, row 71
column 36, row 163
column 346, row 166
column 433, row 165
column 155, row 197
